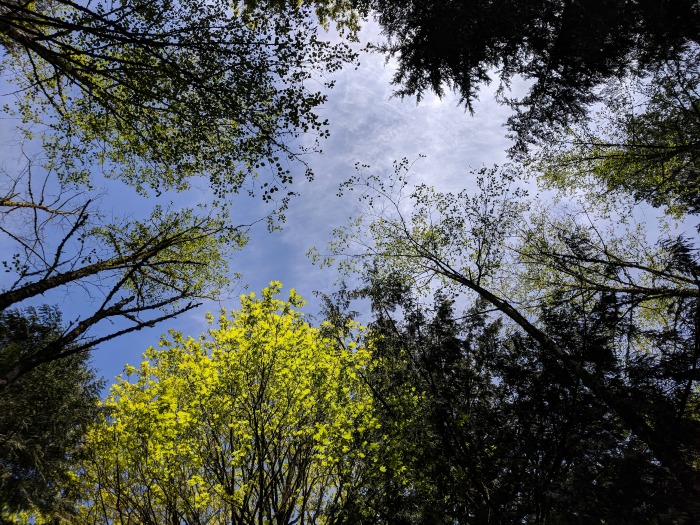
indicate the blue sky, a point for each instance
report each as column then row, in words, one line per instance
column 367, row 125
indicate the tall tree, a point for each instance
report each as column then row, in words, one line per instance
column 42, row 418
column 262, row 420
column 566, row 49
column 139, row 272
column 470, row 243
column 488, row 427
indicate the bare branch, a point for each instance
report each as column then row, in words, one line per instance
column 13, row 205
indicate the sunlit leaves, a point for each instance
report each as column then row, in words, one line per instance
column 155, row 93
column 261, row 416
column 643, row 142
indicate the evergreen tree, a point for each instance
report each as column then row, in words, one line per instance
column 42, row 417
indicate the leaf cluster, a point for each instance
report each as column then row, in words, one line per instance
column 262, row 418
column 156, row 93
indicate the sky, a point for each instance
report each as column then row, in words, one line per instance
column 367, row 125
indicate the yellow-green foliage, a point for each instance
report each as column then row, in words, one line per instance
column 346, row 14
column 260, row 417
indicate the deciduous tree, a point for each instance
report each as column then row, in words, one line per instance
column 136, row 271
column 478, row 243
column 156, row 93
column 261, row 420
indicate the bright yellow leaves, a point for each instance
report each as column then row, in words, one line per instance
column 260, row 419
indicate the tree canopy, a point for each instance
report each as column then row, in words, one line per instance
column 566, row 49
column 43, row 418
column 566, row 391
column 485, row 244
column 156, row 93
column 261, row 420
column 490, row 428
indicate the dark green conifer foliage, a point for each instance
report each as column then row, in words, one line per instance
column 503, row 433
column 42, row 416
column 567, row 49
